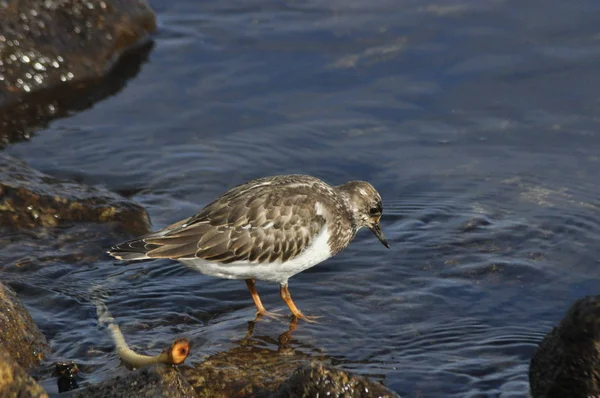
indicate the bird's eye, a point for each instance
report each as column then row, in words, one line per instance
column 374, row 211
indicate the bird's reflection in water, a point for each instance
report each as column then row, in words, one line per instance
column 259, row 362
column 283, row 340
column 276, row 364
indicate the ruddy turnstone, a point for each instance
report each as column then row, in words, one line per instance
column 267, row 229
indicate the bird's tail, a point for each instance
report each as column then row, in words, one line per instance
column 135, row 249
column 138, row 248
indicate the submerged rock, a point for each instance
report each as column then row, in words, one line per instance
column 48, row 44
column 19, row 335
column 318, row 380
column 567, row 362
column 31, row 199
column 15, row 382
column 154, row 381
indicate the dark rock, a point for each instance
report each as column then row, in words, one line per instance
column 567, row 361
column 254, row 371
column 154, row 381
column 50, row 44
column 66, row 374
column 15, row 382
column 33, row 111
column 249, row 370
column 19, row 335
column 31, row 199
column 318, row 380
column 44, row 43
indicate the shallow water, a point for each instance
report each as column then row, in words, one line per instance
column 476, row 120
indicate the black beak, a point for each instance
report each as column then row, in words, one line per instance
column 376, row 229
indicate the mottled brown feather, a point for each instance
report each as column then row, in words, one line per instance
column 270, row 226
column 171, row 251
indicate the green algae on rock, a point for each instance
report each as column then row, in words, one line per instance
column 15, row 382
column 30, row 199
column 19, row 335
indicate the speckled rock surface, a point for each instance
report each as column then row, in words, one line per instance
column 567, row 361
column 48, row 42
column 55, row 43
column 155, row 381
column 247, row 371
column 15, row 382
column 253, row 371
column 31, row 199
column 19, row 335
column 318, row 380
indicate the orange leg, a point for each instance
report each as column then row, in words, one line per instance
column 260, row 308
column 287, row 297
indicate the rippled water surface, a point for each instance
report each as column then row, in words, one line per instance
column 476, row 120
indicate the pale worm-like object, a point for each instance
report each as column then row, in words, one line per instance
column 174, row 355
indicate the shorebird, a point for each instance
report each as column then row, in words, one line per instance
column 267, row 229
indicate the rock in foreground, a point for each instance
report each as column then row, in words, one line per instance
column 246, row 371
column 15, row 382
column 253, row 371
column 567, row 362
column 19, row 335
column 320, row 381
column 31, row 199
column 157, row 381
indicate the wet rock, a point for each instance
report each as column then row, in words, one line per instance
column 247, row 371
column 19, row 335
column 254, row 371
column 66, row 376
column 45, row 43
column 33, row 111
column 30, row 199
column 154, row 381
column 567, row 361
column 51, row 44
column 318, row 380
column 15, row 382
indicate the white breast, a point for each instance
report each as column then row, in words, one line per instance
column 318, row 251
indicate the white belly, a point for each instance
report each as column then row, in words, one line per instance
column 278, row 272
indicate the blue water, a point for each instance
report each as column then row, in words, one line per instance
column 476, row 120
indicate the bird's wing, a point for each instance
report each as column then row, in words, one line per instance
column 264, row 227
